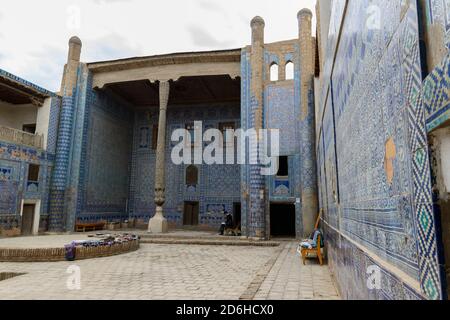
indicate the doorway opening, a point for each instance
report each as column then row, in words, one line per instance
column 237, row 214
column 191, row 212
column 28, row 219
column 282, row 220
column 283, row 168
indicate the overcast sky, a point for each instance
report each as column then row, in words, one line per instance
column 34, row 34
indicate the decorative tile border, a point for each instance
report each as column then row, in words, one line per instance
column 399, row 42
column 436, row 96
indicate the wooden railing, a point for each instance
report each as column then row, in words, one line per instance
column 21, row 137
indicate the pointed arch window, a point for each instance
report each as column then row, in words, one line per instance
column 289, row 70
column 274, row 72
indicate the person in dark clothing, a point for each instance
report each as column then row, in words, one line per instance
column 228, row 224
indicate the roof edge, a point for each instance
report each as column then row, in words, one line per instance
column 163, row 59
column 37, row 90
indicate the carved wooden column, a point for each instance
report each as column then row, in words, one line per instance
column 158, row 224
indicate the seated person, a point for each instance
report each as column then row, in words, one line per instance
column 228, row 224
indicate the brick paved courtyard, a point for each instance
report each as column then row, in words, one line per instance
column 177, row 272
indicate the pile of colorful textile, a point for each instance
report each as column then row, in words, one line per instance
column 312, row 242
column 106, row 240
column 99, row 241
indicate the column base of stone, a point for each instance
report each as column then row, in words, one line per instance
column 158, row 224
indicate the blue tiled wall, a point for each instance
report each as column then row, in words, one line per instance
column 281, row 110
column 436, row 95
column 57, row 219
column 218, row 185
column 14, row 187
column 105, row 157
column 14, row 162
column 245, row 124
column 282, row 113
column 373, row 95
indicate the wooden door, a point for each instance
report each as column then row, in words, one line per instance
column 195, row 212
column 191, row 212
column 27, row 219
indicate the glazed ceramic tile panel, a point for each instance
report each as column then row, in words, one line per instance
column 330, row 181
column 9, row 186
column 53, row 125
column 375, row 88
column 73, row 199
column 245, row 124
column 14, row 162
column 62, row 163
column 218, row 185
column 280, row 114
column 14, row 185
column 107, row 161
column 282, row 111
column 108, row 154
column 337, row 12
column 436, row 95
column 351, row 263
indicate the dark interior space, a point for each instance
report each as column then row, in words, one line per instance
column 237, row 214
column 33, row 173
column 282, row 220
column 283, row 167
column 186, row 90
column 30, row 128
column 16, row 93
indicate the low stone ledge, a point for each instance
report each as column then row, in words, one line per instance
column 204, row 242
column 59, row 254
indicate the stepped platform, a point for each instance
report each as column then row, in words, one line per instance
column 200, row 238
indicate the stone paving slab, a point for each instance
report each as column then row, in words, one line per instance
column 289, row 279
column 154, row 272
column 177, row 272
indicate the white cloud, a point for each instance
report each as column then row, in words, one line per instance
column 110, row 1
column 110, row 46
column 201, row 38
column 36, row 48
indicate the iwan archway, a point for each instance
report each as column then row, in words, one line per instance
column 129, row 141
